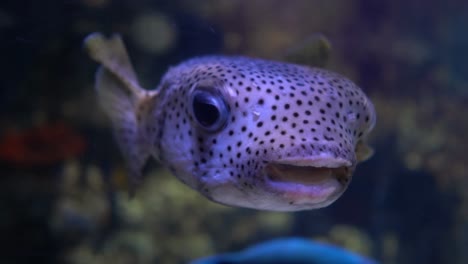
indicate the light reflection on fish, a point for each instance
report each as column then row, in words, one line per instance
column 289, row 251
column 243, row 132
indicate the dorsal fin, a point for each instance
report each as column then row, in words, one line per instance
column 313, row 51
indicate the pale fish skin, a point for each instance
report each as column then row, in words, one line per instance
column 241, row 131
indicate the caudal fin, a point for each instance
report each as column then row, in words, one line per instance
column 122, row 98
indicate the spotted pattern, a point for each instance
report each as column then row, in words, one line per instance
column 276, row 111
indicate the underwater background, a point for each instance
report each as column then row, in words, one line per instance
column 63, row 186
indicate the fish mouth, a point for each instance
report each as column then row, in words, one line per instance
column 306, row 185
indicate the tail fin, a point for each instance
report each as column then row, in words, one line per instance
column 122, row 98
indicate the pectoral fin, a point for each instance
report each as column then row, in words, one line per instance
column 363, row 151
column 122, row 98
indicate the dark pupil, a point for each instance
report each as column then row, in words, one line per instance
column 205, row 112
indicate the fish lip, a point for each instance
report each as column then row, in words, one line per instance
column 323, row 160
column 313, row 183
column 305, row 175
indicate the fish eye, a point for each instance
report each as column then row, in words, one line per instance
column 209, row 108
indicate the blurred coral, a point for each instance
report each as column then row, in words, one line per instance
column 47, row 144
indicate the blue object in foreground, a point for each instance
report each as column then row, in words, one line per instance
column 289, row 250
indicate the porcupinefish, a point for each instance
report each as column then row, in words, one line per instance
column 241, row 131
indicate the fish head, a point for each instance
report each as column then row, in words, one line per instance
column 260, row 134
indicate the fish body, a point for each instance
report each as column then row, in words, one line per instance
column 289, row 250
column 242, row 131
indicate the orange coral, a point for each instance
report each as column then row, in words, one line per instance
column 43, row 145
